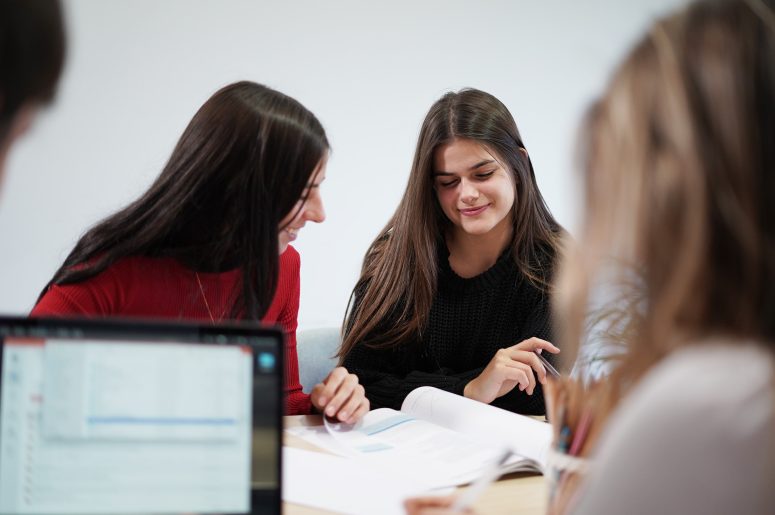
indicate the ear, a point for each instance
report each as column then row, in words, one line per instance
column 523, row 150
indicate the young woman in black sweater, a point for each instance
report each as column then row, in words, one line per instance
column 454, row 291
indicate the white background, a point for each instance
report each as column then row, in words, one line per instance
column 137, row 70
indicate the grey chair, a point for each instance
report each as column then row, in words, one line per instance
column 316, row 349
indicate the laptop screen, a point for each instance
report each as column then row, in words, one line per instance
column 119, row 417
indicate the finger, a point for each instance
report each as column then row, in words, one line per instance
column 360, row 412
column 331, row 384
column 351, row 404
column 531, row 359
column 533, row 344
column 342, row 394
column 417, row 503
column 315, row 397
column 515, row 372
column 530, row 377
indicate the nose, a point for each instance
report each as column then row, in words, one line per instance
column 468, row 191
column 314, row 211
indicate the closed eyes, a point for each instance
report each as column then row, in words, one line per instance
column 482, row 176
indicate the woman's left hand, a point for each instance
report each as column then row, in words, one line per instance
column 340, row 396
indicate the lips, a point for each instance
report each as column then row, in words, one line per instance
column 473, row 211
column 292, row 233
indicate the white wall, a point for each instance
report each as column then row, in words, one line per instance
column 137, row 70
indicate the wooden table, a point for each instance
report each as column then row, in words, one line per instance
column 520, row 494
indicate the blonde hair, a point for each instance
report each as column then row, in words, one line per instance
column 680, row 188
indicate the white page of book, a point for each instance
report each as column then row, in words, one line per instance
column 422, row 442
column 343, row 486
column 408, row 447
column 523, row 435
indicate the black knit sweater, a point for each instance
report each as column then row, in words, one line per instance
column 470, row 320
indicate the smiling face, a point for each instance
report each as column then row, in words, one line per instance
column 474, row 188
column 309, row 210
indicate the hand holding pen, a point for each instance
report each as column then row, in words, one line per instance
column 519, row 366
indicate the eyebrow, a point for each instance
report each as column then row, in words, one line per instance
column 474, row 167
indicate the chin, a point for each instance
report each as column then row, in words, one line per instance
column 477, row 230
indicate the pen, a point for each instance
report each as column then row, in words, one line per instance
column 548, row 366
column 480, row 485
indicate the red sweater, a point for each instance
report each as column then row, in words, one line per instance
column 163, row 288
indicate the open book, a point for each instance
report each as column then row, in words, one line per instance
column 439, row 438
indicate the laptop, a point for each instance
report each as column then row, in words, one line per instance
column 114, row 417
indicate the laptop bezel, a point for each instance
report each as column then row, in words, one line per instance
column 223, row 333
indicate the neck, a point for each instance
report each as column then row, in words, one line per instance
column 472, row 254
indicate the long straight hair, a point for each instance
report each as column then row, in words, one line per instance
column 239, row 168
column 680, row 188
column 399, row 275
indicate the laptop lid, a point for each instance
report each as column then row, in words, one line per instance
column 109, row 417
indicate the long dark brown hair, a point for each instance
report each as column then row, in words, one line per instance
column 239, row 168
column 32, row 52
column 680, row 188
column 399, row 274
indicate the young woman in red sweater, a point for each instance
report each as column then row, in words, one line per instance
column 210, row 239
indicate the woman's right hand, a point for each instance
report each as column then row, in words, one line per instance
column 517, row 365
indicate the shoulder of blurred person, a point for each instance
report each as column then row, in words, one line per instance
column 694, row 436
